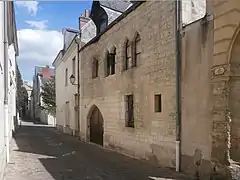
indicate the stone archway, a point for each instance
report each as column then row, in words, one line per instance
column 95, row 125
column 234, row 98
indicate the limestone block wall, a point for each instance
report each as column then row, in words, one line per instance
column 196, row 103
column 226, row 80
column 153, row 137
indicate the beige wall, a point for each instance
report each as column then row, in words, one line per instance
column 196, row 104
column 66, row 93
column 154, row 134
column 225, row 79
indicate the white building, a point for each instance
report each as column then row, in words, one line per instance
column 41, row 75
column 28, row 87
column 8, row 53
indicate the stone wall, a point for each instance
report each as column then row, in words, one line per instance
column 225, row 83
column 66, row 93
column 196, row 104
column 226, row 25
column 153, row 137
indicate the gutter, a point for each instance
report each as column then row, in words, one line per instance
column 178, row 82
column 5, row 42
column 77, row 38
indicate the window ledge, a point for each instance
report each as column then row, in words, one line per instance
column 111, row 75
column 96, row 78
column 130, row 129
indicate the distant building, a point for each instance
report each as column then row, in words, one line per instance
column 28, row 87
column 41, row 75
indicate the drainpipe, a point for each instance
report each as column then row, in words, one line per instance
column 6, row 121
column 78, row 41
column 178, row 83
column 78, row 87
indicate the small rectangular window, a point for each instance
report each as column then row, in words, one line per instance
column 95, row 68
column 138, row 52
column 128, row 55
column 74, row 66
column 158, row 103
column 108, row 65
column 129, row 111
column 66, row 76
column 112, row 64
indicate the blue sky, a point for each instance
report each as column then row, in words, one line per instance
column 39, row 27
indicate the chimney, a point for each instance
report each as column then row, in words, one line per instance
column 84, row 18
column 86, row 13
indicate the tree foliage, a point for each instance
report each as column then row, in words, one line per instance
column 48, row 96
column 22, row 95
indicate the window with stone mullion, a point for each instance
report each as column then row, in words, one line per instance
column 129, row 111
column 95, row 68
column 136, row 50
column 112, row 63
column 108, row 65
column 128, row 55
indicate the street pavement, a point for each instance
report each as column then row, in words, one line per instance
column 40, row 152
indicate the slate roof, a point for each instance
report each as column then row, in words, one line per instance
column 117, row 5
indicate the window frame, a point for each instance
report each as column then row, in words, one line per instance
column 136, row 49
column 113, row 61
column 110, row 62
column 158, row 103
column 66, row 77
column 74, row 65
column 129, row 111
column 127, row 54
column 95, row 68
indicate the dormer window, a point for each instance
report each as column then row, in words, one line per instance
column 103, row 22
column 99, row 17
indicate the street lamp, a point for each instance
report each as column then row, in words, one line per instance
column 72, row 79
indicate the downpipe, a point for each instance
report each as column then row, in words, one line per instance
column 78, row 89
column 77, row 39
column 178, row 83
column 6, row 119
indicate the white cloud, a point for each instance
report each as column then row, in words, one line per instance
column 39, row 46
column 38, row 24
column 32, row 6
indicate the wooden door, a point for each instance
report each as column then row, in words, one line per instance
column 96, row 127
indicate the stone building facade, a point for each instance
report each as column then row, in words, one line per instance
column 128, row 86
column 210, row 91
column 225, row 82
column 152, row 78
column 41, row 75
column 65, row 65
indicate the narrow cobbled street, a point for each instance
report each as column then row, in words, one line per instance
column 40, row 152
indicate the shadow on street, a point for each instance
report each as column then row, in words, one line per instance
column 66, row 158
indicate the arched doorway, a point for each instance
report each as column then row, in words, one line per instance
column 234, row 99
column 95, row 121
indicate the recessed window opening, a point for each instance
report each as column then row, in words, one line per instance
column 158, row 103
